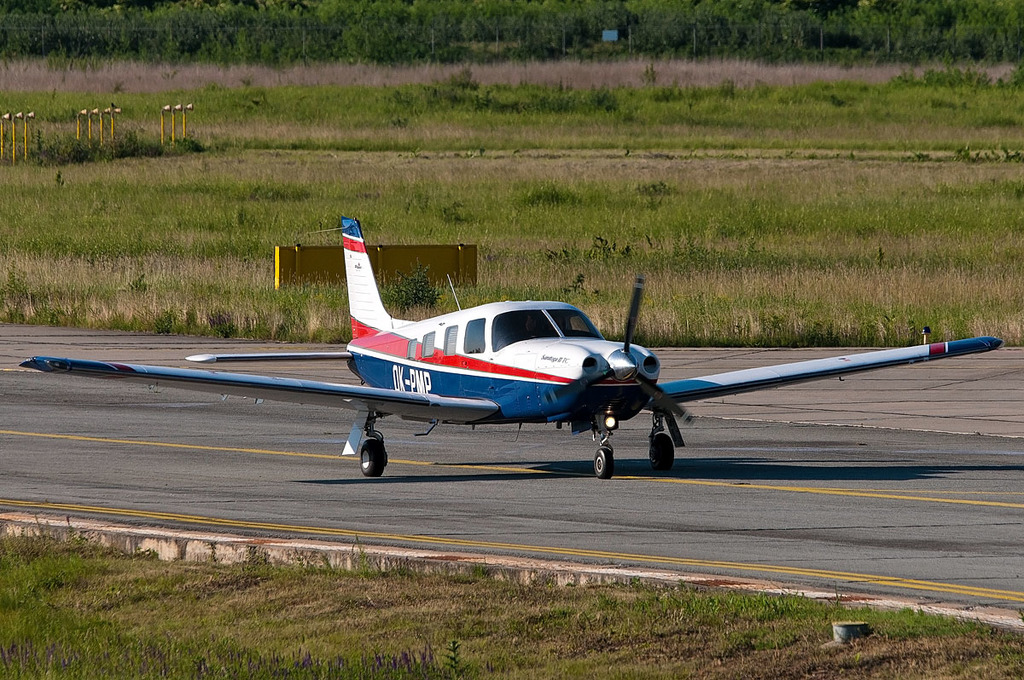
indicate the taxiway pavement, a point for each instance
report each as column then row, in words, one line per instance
column 904, row 481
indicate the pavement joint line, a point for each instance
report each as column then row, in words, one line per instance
column 176, row 544
column 827, row 491
column 865, row 426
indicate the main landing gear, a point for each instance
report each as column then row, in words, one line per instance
column 373, row 457
column 662, row 450
column 663, row 442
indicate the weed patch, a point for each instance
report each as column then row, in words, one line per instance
column 72, row 609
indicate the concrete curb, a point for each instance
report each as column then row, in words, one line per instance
column 197, row 546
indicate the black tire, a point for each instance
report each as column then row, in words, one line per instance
column 662, row 451
column 373, row 458
column 604, row 463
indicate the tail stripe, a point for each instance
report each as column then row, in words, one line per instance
column 354, row 245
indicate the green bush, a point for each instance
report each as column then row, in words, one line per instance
column 411, row 290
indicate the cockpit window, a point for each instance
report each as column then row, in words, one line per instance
column 524, row 324
column 573, row 323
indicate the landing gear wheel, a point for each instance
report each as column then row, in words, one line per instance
column 662, row 451
column 373, row 457
column 604, row 463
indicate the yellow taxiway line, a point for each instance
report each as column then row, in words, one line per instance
column 846, row 576
column 827, row 491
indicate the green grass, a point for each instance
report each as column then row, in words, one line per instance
column 75, row 610
column 462, row 115
column 828, row 214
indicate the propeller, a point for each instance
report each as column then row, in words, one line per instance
column 622, row 365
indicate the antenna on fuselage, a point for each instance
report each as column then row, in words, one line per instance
column 454, row 295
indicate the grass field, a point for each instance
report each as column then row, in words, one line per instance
column 74, row 610
column 836, row 213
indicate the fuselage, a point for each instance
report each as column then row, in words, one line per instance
column 516, row 354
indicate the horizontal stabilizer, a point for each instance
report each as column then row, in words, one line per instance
column 268, row 356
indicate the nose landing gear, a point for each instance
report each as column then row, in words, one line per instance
column 604, row 459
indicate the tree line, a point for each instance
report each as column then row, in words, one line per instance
column 283, row 32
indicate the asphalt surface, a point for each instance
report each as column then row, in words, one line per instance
column 904, row 482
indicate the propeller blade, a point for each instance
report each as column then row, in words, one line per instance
column 576, row 387
column 661, row 401
column 634, row 311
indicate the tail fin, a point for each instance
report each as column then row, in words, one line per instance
column 365, row 306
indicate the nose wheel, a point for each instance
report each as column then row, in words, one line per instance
column 604, row 462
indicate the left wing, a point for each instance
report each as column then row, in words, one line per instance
column 751, row 379
column 409, row 405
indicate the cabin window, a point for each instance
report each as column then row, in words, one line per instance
column 411, row 352
column 450, row 337
column 428, row 345
column 474, row 343
column 523, row 324
column 573, row 323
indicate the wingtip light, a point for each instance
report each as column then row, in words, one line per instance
column 202, row 358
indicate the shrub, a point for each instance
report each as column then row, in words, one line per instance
column 411, row 290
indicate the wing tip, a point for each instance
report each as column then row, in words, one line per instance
column 202, row 358
column 38, row 364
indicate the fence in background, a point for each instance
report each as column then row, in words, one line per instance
column 595, row 31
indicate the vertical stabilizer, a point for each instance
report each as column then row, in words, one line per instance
column 365, row 306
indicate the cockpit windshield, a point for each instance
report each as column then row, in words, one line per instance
column 524, row 324
column 573, row 323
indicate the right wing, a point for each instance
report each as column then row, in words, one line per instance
column 752, row 379
column 408, row 405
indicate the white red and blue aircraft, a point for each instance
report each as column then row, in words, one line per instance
column 504, row 362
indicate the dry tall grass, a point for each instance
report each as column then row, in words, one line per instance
column 757, row 250
column 116, row 77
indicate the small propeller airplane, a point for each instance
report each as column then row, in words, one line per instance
column 503, row 362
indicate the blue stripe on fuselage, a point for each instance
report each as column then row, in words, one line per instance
column 519, row 400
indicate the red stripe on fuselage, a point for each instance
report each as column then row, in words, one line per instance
column 397, row 347
column 936, row 348
column 361, row 330
column 353, row 245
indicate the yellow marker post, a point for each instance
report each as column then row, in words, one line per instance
column 177, row 107
column 14, row 137
column 24, row 132
column 188, row 107
column 162, row 112
column 113, row 110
